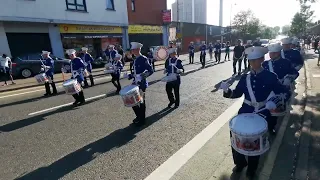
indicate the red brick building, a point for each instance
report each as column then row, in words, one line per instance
column 145, row 22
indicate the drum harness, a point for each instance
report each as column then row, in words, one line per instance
column 253, row 102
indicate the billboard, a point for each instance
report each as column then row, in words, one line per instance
column 192, row 29
column 166, row 16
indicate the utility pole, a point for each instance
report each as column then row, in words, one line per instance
column 221, row 18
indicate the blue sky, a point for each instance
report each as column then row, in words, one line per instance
column 270, row 12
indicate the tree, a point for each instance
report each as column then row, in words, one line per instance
column 268, row 32
column 301, row 20
column 276, row 29
column 246, row 24
column 285, row 30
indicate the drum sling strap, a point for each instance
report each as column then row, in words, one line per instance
column 136, row 80
column 254, row 103
column 282, row 54
column 270, row 66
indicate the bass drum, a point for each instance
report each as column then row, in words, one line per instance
column 161, row 53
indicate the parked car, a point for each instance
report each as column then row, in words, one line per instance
column 264, row 42
column 29, row 65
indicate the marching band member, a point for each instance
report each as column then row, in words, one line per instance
column 112, row 52
column 117, row 66
column 292, row 55
column 210, row 50
column 48, row 68
column 151, row 59
column 87, row 59
column 283, row 69
column 142, row 69
column 77, row 67
column 217, row 51
column 256, row 88
column 238, row 53
column 203, row 53
column 173, row 66
column 191, row 53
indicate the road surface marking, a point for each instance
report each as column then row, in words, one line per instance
column 177, row 160
column 42, row 89
column 64, row 105
column 316, row 75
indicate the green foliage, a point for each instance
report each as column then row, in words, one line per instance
column 301, row 20
column 250, row 27
column 285, row 30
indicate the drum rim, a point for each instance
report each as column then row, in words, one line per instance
column 135, row 87
column 267, row 147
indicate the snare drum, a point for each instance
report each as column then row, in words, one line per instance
column 131, row 95
column 249, row 134
column 169, row 78
column 71, row 86
column 41, row 78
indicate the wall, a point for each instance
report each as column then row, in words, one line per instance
column 4, row 46
column 192, row 29
column 147, row 12
column 54, row 11
column 213, row 33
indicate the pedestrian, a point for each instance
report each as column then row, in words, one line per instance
column 217, row 51
column 227, row 51
column 77, row 68
column 238, row 53
column 256, row 88
column 285, row 72
column 210, row 50
column 203, row 49
column 173, row 67
column 316, row 43
column 120, row 51
column 88, row 60
column 292, row 55
column 191, row 53
column 6, row 69
column 48, row 69
column 151, row 58
column 142, row 69
column 245, row 59
column 117, row 67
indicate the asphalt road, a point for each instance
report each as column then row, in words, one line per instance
column 97, row 140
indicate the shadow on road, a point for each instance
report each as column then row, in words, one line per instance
column 87, row 153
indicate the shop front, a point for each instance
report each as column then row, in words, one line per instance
column 96, row 38
column 147, row 35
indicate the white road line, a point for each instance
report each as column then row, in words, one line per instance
column 39, row 89
column 64, row 105
column 177, row 160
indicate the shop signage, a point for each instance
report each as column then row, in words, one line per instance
column 139, row 29
column 166, row 16
column 73, row 28
column 90, row 36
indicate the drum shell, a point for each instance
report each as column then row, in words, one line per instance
column 42, row 78
column 169, row 78
column 71, row 87
column 253, row 144
column 132, row 97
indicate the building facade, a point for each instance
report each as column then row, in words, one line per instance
column 146, row 23
column 191, row 11
column 32, row 26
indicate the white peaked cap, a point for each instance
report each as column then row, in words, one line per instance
column 191, row 42
column 118, row 56
column 111, row 46
column 71, row 51
column 172, row 50
column 256, row 52
column 45, row 52
column 274, row 47
column 287, row 40
column 295, row 41
column 84, row 49
column 136, row 45
column 249, row 41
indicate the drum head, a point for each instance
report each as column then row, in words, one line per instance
column 248, row 124
column 69, row 81
column 128, row 89
column 161, row 53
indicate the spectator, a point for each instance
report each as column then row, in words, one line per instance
column 6, row 69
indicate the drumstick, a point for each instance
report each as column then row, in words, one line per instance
column 62, row 74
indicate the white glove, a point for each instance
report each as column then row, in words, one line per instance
column 179, row 71
column 287, row 82
column 42, row 69
column 225, row 86
column 271, row 105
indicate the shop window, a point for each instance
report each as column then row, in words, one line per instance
column 76, row 5
column 133, row 5
column 110, row 5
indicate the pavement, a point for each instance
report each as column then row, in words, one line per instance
column 47, row 138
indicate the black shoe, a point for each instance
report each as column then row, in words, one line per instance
column 75, row 103
column 141, row 123
column 170, row 104
column 250, row 175
column 176, row 106
column 47, row 94
column 136, row 120
column 238, row 169
column 272, row 132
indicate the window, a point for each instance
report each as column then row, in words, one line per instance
column 133, row 6
column 110, row 5
column 77, row 5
